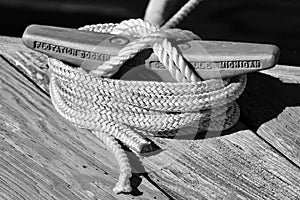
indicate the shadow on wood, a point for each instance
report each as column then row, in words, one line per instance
column 44, row 156
column 265, row 98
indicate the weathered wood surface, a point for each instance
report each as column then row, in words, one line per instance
column 49, row 158
column 285, row 126
column 287, row 74
column 271, row 108
column 237, row 166
column 265, row 98
column 44, row 157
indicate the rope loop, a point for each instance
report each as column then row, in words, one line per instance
column 129, row 111
column 147, row 35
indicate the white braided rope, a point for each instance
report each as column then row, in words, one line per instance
column 123, row 185
column 181, row 14
column 168, row 56
column 128, row 110
column 135, row 27
column 149, row 35
column 101, row 28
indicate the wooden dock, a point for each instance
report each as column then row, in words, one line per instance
column 42, row 156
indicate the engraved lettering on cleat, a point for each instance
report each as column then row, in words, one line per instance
column 243, row 64
column 36, row 44
column 239, row 64
column 70, row 51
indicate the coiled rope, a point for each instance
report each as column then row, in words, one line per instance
column 131, row 110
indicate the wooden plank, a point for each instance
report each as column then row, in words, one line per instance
column 271, row 107
column 44, row 157
column 283, row 133
column 32, row 64
column 287, row 74
column 265, row 98
column 237, row 166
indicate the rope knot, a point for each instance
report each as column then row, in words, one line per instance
column 149, row 36
column 130, row 110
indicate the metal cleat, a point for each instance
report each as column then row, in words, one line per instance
column 210, row 59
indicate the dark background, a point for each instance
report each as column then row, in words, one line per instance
column 261, row 21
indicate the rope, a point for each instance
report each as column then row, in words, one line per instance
column 131, row 110
column 181, row 14
column 123, row 185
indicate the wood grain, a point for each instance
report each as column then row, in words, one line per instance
column 32, row 65
column 52, row 158
column 265, row 98
column 283, row 133
column 237, row 166
column 271, row 107
column 44, row 157
column 287, row 74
